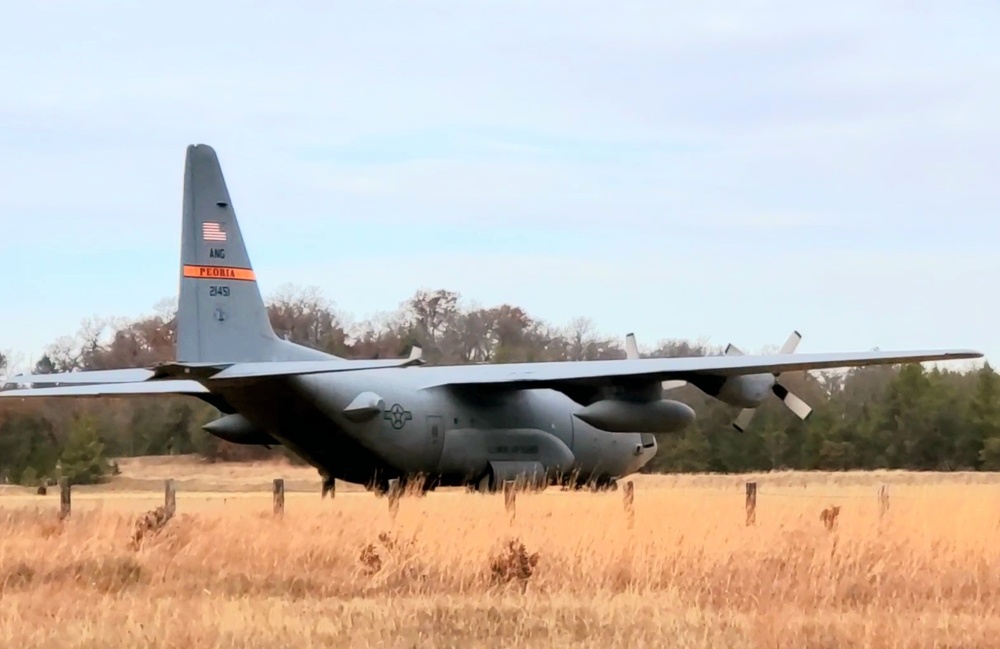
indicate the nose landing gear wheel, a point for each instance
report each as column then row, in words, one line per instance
column 379, row 487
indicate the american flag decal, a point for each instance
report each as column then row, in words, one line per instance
column 212, row 232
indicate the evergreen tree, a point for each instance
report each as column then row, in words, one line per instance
column 83, row 460
column 26, row 442
column 983, row 423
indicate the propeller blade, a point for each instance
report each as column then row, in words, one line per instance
column 743, row 420
column 631, row 348
column 632, row 352
column 791, row 343
column 795, row 404
column 788, row 348
column 792, row 402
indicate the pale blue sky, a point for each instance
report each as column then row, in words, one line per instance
column 720, row 170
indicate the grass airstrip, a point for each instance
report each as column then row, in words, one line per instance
column 457, row 569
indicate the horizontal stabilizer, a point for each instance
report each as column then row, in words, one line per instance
column 222, row 371
column 194, row 371
column 131, row 375
column 110, row 390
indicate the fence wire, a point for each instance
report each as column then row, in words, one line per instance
column 729, row 493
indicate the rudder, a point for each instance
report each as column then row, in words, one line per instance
column 221, row 315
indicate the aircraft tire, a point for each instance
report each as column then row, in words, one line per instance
column 379, row 487
column 487, row 483
column 604, row 483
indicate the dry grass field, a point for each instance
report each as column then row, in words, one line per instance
column 450, row 569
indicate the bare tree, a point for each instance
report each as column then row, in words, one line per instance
column 432, row 312
column 306, row 317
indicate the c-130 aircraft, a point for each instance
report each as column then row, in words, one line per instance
column 372, row 421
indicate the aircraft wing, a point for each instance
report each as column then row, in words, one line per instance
column 565, row 375
column 615, row 372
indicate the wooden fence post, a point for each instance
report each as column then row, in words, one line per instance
column 629, row 495
column 509, row 498
column 64, row 497
column 883, row 500
column 169, row 497
column 394, row 495
column 751, row 503
column 279, row 496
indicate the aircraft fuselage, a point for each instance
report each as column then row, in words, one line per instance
column 449, row 437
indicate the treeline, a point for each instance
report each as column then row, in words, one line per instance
column 884, row 417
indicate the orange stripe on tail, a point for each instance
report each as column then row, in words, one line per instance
column 219, row 272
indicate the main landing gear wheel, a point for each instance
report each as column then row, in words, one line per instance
column 605, row 483
column 483, row 486
column 379, row 487
column 596, row 485
column 487, row 483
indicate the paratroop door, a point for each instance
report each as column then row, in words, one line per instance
column 435, row 439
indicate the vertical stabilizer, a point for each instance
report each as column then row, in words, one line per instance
column 221, row 315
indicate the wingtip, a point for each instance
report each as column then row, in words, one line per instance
column 961, row 353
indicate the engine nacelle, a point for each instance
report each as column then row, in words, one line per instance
column 746, row 391
column 236, row 429
column 620, row 416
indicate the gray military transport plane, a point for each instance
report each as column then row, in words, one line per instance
column 370, row 421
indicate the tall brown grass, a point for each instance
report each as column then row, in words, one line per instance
column 452, row 570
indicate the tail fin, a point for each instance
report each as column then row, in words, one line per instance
column 221, row 316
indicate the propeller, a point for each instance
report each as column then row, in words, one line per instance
column 632, row 353
column 792, row 402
